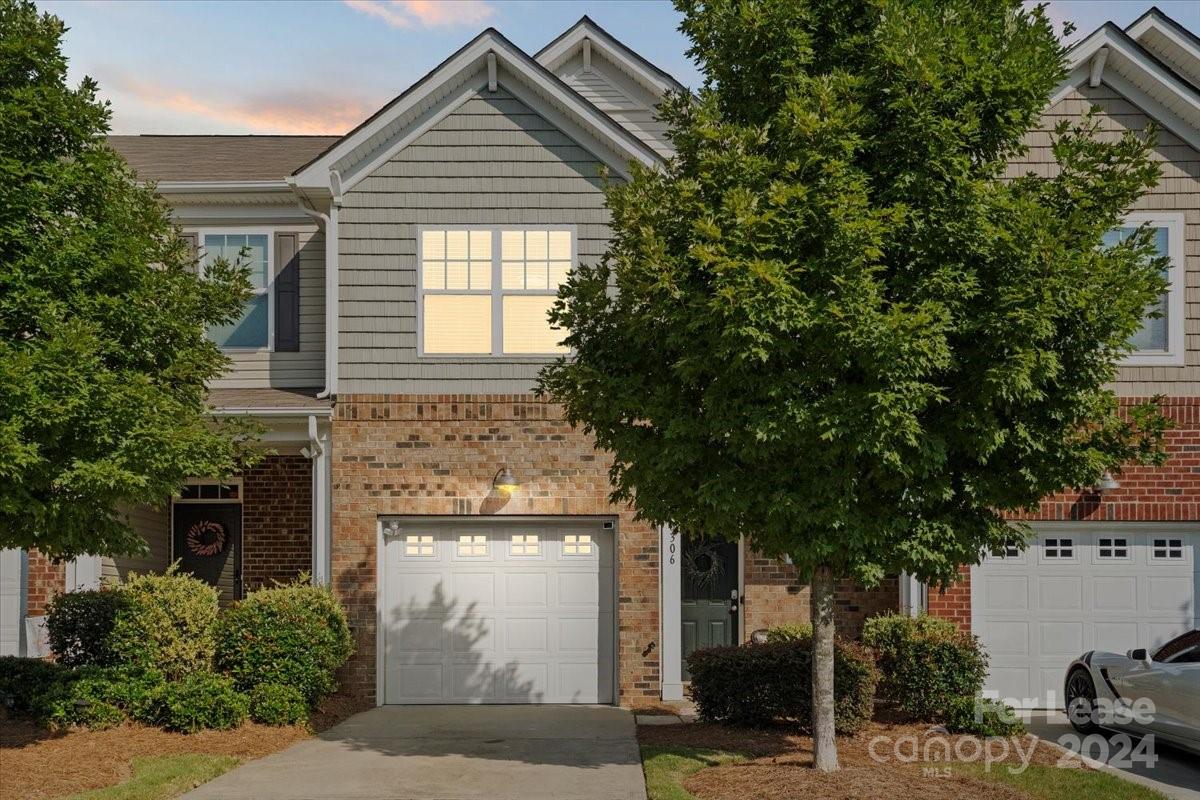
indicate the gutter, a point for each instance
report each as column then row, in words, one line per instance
column 329, row 224
column 272, row 411
column 227, row 187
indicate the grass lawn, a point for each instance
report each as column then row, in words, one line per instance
column 1052, row 783
column 666, row 766
column 163, row 777
column 711, row 762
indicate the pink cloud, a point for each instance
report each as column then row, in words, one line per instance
column 425, row 13
column 278, row 112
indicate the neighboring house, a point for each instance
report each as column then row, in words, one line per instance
column 401, row 414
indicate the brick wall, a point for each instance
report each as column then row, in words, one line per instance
column 276, row 520
column 775, row 596
column 1147, row 494
column 437, row 454
column 46, row 579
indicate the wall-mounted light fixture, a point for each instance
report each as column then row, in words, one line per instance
column 1107, row 482
column 504, row 481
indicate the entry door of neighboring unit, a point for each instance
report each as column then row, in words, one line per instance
column 709, row 579
column 207, row 539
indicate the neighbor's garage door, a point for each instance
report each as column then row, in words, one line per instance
column 498, row 612
column 1080, row 587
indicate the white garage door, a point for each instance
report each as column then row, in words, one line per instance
column 1080, row 587
column 11, row 612
column 498, row 612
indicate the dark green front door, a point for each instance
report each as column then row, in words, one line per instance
column 709, row 577
column 207, row 540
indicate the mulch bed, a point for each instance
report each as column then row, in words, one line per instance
column 780, row 763
column 38, row 764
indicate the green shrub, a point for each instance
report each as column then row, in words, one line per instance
column 24, row 682
column 79, row 626
column 981, row 717
column 924, row 662
column 99, row 697
column 756, row 684
column 790, row 632
column 276, row 704
column 295, row 635
column 197, row 702
column 167, row 623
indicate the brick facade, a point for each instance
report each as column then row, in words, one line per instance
column 437, row 454
column 1169, row 493
column 46, row 579
column 775, row 596
column 276, row 520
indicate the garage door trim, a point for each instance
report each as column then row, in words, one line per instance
column 392, row 524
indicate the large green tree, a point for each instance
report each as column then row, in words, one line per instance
column 832, row 326
column 103, row 358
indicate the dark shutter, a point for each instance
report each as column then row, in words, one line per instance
column 193, row 240
column 287, row 292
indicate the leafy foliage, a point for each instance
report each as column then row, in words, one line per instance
column 760, row 683
column 99, row 697
column 277, row 704
column 831, row 323
column 790, row 632
column 103, row 358
column 296, row 635
column 200, row 701
column 925, row 663
column 982, row 717
column 25, row 682
column 167, row 623
column 79, row 626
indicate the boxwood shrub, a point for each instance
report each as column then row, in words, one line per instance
column 25, row 682
column 790, row 632
column 167, row 623
column 99, row 697
column 759, row 683
column 196, row 702
column 981, row 717
column 925, row 663
column 295, row 635
column 79, row 626
column 276, row 704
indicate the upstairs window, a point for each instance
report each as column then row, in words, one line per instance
column 488, row 291
column 251, row 249
column 1160, row 340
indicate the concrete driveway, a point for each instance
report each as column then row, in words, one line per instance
column 1175, row 773
column 451, row 753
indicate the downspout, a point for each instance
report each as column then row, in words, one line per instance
column 317, row 453
column 329, row 224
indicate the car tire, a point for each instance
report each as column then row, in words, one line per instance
column 1081, row 701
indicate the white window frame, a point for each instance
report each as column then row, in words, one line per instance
column 497, row 290
column 1129, row 545
column 457, row 543
column 1174, row 355
column 1167, row 538
column 1058, row 539
column 269, row 290
column 238, row 482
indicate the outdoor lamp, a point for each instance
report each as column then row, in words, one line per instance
column 1107, row 482
column 505, row 482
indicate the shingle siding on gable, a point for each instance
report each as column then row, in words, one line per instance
column 630, row 105
column 1178, row 190
column 492, row 161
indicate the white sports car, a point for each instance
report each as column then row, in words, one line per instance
column 1139, row 692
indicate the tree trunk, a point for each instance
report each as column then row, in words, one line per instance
column 821, row 602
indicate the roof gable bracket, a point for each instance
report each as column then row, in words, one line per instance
column 1097, row 71
column 587, row 55
column 491, row 61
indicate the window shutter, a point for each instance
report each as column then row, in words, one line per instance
column 287, row 292
column 193, row 240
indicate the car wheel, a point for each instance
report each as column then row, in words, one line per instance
column 1081, row 701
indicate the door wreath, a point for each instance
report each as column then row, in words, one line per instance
column 206, row 538
column 702, row 564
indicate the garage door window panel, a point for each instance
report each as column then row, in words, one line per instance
column 1058, row 548
column 1113, row 549
column 1167, row 549
column 525, row 546
column 419, row 545
column 472, row 546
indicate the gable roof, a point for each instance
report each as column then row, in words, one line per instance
column 1171, row 42
column 162, row 158
column 1112, row 56
column 565, row 45
column 342, row 164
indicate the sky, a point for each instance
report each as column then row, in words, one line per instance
column 323, row 66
